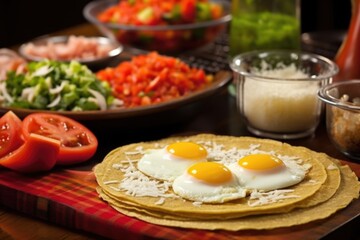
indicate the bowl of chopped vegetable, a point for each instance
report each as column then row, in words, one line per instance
column 95, row 52
column 165, row 27
column 55, row 86
column 164, row 86
column 343, row 115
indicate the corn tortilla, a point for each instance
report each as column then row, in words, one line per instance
column 348, row 190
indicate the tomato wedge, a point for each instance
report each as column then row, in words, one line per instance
column 10, row 133
column 78, row 143
column 37, row 154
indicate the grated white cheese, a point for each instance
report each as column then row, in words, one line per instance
column 216, row 152
column 160, row 201
column 262, row 198
column 117, row 166
column 111, row 182
column 115, row 188
column 312, row 181
column 332, row 167
column 197, row 204
column 138, row 150
column 135, row 183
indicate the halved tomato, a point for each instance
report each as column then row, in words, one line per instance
column 78, row 143
column 37, row 154
column 10, row 133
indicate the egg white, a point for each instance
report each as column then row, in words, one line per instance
column 190, row 188
column 286, row 176
column 160, row 164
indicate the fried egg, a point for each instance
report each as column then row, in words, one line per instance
column 208, row 182
column 171, row 161
column 266, row 172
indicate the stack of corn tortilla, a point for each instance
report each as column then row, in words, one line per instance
column 327, row 187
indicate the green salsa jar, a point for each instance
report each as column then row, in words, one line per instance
column 264, row 24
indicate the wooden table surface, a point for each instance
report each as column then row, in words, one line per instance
column 217, row 115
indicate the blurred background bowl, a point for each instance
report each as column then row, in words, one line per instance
column 10, row 61
column 170, row 39
column 343, row 115
column 95, row 52
column 276, row 91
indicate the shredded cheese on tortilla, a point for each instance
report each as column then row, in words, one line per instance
column 261, row 198
column 332, row 167
column 136, row 183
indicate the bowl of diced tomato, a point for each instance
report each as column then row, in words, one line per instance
column 172, row 26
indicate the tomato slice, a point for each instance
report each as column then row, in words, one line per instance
column 37, row 154
column 10, row 133
column 78, row 143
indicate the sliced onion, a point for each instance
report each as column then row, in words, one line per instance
column 42, row 71
column 28, row 94
column 58, row 89
column 55, row 102
column 5, row 93
column 99, row 98
column 117, row 103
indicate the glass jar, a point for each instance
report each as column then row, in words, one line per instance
column 264, row 24
column 276, row 91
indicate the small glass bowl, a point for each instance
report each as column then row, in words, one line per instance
column 167, row 39
column 343, row 115
column 276, row 91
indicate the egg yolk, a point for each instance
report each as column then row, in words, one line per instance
column 260, row 162
column 210, row 172
column 187, row 150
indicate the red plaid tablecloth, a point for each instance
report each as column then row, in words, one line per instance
column 68, row 198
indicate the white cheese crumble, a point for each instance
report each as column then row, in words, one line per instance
column 332, row 167
column 197, row 204
column 262, row 198
column 160, row 201
column 135, row 183
column 138, row 150
column 111, row 182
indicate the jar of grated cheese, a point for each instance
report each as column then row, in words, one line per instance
column 277, row 91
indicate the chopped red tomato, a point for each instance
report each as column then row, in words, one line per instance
column 153, row 78
column 164, row 13
column 78, row 143
column 188, row 10
column 155, row 12
column 10, row 133
column 37, row 154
